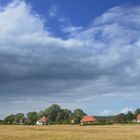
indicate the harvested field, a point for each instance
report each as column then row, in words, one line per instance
column 115, row 132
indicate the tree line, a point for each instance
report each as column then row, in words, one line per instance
column 54, row 113
column 121, row 118
column 58, row 115
column 128, row 117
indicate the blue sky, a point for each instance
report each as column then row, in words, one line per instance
column 79, row 54
column 79, row 12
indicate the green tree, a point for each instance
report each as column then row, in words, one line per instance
column 1, row 122
column 78, row 114
column 32, row 117
column 19, row 117
column 52, row 112
column 67, row 114
column 137, row 112
column 129, row 116
column 60, row 116
column 120, row 118
column 63, row 115
column 41, row 114
column 9, row 119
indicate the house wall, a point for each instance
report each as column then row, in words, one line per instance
column 38, row 123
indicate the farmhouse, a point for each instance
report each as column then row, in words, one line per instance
column 42, row 121
column 138, row 118
column 88, row 119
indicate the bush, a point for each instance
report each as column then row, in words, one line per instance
column 109, row 123
column 99, row 123
column 62, row 122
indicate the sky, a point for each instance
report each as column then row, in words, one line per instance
column 78, row 54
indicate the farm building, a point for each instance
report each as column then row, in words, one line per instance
column 88, row 119
column 42, row 121
column 138, row 118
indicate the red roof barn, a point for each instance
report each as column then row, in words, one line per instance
column 87, row 119
column 138, row 118
column 42, row 121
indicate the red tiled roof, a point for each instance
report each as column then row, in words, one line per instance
column 138, row 117
column 88, row 119
column 43, row 119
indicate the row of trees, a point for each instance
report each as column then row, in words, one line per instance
column 122, row 118
column 129, row 117
column 55, row 114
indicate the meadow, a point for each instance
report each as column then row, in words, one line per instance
column 114, row 132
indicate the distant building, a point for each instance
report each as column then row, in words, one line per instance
column 72, row 121
column 22, row 121
column 138, row 118
column 42, row 121
column 88, row 119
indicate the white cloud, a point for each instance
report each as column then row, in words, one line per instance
column 105, row 113
column 125, row 110
column 72, row 29
column 53, row 12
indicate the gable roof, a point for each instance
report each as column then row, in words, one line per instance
column 43, row 119
column 88, row 119
column 138, row 117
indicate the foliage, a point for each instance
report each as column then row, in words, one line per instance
column 1, row 121
column 9, row 119
column 41, row 114
column 57, row 115
column 19, row 117
column 129, row 116
column 120, row 118
column 137, row 112
column 78, row 114
column 99, row 123
column 52, row 112
column 32, row 117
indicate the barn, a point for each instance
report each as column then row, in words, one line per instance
column 138, row 118
column 88, row 119
column 42, row 121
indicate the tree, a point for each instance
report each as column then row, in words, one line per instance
column 137, row 112
column 63, row 115
column 19, row 117
column 52, row 112
column 32, row 117
column 67, row 114
column 120, row 118
column 10, row 119
column 78, row 114
column 60, row 116
column 41, row 114
column 129, row 116
column 1, row 122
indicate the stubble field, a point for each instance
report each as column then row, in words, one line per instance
column 115, row 132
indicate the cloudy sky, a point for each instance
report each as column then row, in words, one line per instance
column 79, row 54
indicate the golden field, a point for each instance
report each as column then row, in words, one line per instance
column 114, row 132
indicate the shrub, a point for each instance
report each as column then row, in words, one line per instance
column 99, row 123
